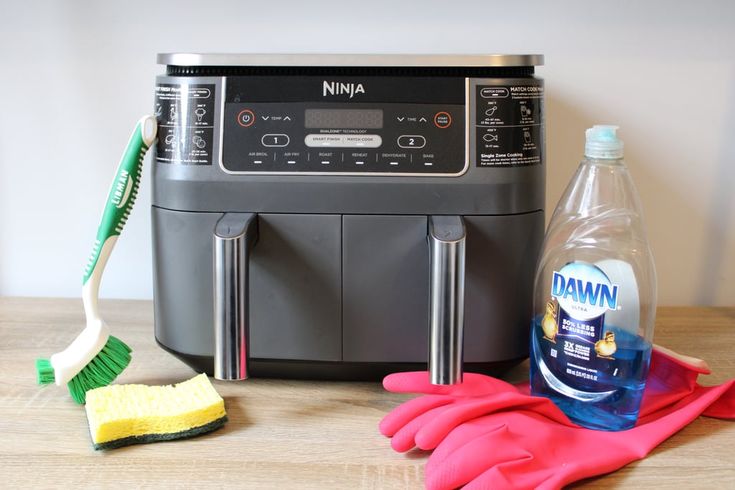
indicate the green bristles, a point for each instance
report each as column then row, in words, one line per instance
column 44, row 372
column 102, row 370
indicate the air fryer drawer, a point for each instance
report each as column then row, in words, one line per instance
column 295, row 288
column 501, row 257
column 295, row 285
column 182, row 279
column 386, row 288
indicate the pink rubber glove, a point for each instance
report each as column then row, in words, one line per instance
column 491, row 435
column 541, row 448
column 404, row 422
column 424, row 420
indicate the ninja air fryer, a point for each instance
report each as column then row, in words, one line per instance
column 346, row 216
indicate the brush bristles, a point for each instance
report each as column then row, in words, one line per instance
column 102, row 370
column 44, row 372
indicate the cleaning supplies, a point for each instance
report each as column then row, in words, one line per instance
column 95, row 358
column 488, row 434
column 595, row 294
column 120, row 415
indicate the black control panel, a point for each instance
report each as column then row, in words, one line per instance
column 371, row 125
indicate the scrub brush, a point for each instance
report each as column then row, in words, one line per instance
column 95, row 358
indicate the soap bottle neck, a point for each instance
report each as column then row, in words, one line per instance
column 610, row 162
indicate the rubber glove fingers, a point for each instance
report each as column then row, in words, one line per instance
column 403, row 423
column 403, row 414
column 404, row 439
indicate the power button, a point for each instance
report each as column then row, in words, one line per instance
column 442, row 120
column 246, row 118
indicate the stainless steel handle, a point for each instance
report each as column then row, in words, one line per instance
column 446, row 315
column 234, row 236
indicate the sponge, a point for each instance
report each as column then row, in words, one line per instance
column 120, row 415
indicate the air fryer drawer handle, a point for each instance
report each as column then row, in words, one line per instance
column 234, row 237
column 446, row 304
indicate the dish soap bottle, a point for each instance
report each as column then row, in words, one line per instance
column 595, row 294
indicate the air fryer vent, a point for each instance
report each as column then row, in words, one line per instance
column 414, row 71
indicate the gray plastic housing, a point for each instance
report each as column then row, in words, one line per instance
column 339, row 278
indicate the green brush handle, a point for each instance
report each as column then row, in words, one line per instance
column 123, row 192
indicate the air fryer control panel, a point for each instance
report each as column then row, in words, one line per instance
column 345, row 125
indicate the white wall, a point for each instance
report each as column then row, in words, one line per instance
column 75, row 76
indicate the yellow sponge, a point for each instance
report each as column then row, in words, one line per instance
column 120, row 415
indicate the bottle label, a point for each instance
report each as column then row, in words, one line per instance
column 575, row 344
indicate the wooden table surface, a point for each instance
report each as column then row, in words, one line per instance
column 281, row 433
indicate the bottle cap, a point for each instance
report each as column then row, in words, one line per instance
column 602, row 142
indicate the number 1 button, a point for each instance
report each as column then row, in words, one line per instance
column 275, row 140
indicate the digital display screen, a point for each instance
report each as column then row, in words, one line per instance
column 343, row 118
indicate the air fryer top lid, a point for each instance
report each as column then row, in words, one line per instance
column 351, row 60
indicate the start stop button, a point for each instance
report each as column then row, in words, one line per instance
column 246, row 118
column 442, row 120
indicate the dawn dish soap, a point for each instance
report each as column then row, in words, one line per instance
column 595, row 294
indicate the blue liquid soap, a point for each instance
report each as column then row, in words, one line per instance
column 607, row 400
column 595, row 295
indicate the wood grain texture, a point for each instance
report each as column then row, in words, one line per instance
column 282, row 433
